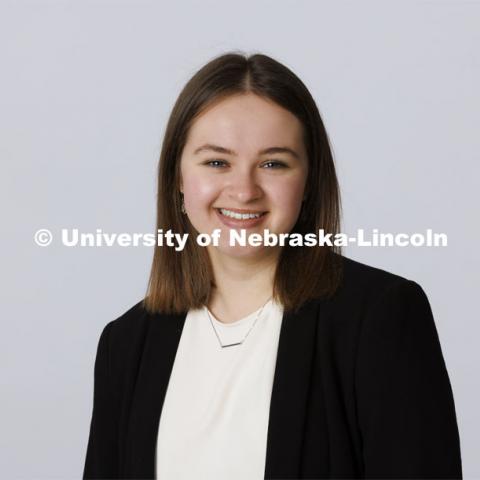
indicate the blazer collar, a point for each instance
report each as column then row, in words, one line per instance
column 288, row 402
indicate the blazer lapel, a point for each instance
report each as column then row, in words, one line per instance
column 156, row 365
column 290, row 393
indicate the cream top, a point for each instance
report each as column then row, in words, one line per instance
column 214, row 419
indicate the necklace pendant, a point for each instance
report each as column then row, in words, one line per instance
column 231, row 344
column 236, row 343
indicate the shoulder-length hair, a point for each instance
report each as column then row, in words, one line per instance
column 181, row 280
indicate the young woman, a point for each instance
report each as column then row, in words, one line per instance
column 250, row 362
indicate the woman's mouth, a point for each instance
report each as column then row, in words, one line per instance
column 240, row 218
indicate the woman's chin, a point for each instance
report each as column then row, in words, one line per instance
column 242, row 252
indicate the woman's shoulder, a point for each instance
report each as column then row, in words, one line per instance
column 364, row 283
column 355, row 272
column 381, row 304
column 128, row 328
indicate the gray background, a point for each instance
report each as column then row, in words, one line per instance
column 86, row 88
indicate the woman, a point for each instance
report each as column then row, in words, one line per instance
column 260, row 361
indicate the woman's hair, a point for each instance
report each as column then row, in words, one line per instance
column 181, row 280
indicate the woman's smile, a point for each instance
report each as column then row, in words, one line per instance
column 237, row 218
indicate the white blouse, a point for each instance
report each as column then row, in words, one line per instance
column 214, row 420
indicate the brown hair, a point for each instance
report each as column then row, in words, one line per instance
column 181, row 280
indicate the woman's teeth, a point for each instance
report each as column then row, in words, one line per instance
column 239, row 216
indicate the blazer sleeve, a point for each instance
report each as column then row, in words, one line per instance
column 405, row 403
column 101, row 457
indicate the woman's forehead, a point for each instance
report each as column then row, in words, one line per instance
column 245, row 122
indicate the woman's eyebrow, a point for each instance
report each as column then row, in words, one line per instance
column 227, row 151
column 271, row 150
column 213, row 148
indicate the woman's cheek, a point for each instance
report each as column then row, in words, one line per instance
column 288, row 194
column 199, row 193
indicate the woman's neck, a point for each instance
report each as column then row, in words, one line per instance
column 242, row 285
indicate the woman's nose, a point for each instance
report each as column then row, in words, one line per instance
column 244, row 187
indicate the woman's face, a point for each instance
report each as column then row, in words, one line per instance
column 244, row 155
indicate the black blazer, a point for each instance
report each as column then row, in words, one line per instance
column 360, row 388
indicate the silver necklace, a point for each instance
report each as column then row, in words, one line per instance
column 249, row 330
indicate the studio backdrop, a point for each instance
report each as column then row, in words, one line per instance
column 85, row 91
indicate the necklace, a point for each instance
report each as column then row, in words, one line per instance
column 249, row 330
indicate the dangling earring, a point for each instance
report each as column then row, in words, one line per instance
column 182, row 206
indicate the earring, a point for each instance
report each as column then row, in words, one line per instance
column 182, row 206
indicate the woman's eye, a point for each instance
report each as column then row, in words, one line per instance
column 274, row 164
column 215, row 163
